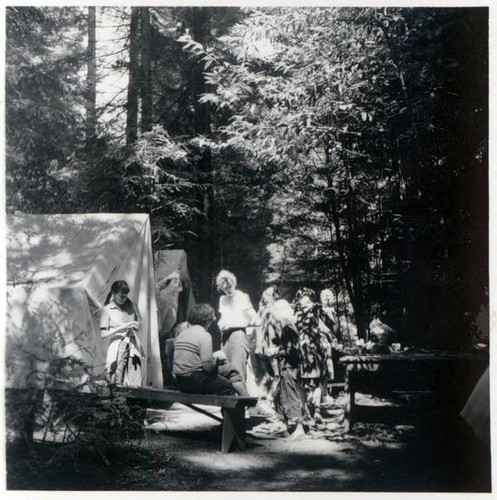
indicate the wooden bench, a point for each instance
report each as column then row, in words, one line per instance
column 232, row 409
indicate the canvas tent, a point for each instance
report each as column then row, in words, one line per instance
column 59, row 271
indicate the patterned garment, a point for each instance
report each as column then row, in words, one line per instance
column 327, row 328
column 269, row 336
column 290, row 398
column 314, row 366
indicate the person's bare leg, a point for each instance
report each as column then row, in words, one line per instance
column 324, row 390
column 275, row 381
column 297, row 432
column 240, row 389
column 122, row 362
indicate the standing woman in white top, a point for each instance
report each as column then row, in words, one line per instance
column 121, row 321
column 236, row 314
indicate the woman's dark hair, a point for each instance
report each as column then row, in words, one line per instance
column 201, row 314
column 117, row 286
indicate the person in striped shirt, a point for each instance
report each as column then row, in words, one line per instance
column 199, row 370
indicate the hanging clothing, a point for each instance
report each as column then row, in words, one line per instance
column 168, row 312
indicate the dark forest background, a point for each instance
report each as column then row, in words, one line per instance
column 327, row 147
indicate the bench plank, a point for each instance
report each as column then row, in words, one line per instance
column 152, row 395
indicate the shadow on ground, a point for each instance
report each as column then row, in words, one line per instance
column 181, row 451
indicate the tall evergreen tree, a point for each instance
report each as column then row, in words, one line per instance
column 146, row 70
column 45, row 53
column 91, row 85
column 132, row 104
column 342, row 101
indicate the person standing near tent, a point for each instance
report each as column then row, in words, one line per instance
column 268, row 298
column 330, row 336
column 268, row 364
column 121, row 321
column 289, row 395
column 236, row 315
column 168, row 292
column 315, row 370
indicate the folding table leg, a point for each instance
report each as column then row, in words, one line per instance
column 233, row 428
column 350, row 405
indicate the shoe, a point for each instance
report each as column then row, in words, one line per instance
column 260, row 411
column 297, row 433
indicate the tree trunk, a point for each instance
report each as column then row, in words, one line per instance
column 350, row 254
column 146, row 75
column 133, row 85
column 91, row 81
column 351, row 269
column 201, row 32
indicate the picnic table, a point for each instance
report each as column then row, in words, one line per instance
column 446, row 377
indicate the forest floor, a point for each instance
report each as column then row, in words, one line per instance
column 181, row 452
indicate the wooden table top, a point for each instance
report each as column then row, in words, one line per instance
column 406, row 356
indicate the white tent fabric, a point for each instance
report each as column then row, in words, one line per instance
column 60, row 269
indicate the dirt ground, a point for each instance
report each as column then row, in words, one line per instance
column 181, row 452
column 374, row 458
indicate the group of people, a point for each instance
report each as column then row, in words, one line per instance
column 300, row 337
column 296, row 338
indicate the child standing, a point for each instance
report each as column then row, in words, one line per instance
column 289, row 399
